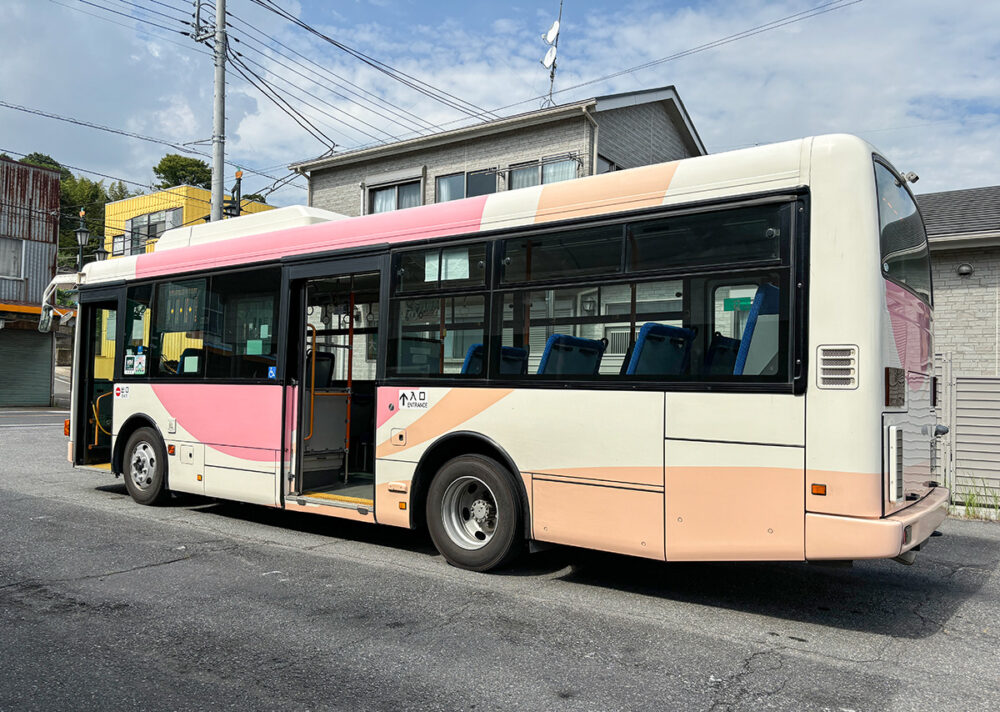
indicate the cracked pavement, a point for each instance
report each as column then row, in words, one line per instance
column 105, row 604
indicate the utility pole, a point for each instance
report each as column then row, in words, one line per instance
column 219, row 111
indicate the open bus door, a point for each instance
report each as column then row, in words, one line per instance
column 93, row 397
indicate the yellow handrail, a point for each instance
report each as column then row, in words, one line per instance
column 95, row 406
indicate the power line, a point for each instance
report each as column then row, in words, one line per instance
column 131, row 17
column 419, row 85
column 324, row 101
column 281, row 103
column 380, row 104
column 129, row 134
column 128, row 27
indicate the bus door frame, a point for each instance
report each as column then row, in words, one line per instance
column 295, row 277
column 83, row 367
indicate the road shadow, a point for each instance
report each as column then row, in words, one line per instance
column 391, row 537
column 881, row 597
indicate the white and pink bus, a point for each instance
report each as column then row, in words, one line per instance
column 723, row 358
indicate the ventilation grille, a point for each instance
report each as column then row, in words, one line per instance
column 838, row 367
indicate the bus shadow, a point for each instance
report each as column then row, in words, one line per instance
column 881, row 597
column 391, row 537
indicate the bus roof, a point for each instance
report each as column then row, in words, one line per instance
column 300, row 230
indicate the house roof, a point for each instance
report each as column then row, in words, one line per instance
column 961, row 218
column 509, row 123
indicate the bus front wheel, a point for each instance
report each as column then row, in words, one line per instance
column 145, row 467
column 474, row 513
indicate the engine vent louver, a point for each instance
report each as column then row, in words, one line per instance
column 838, row 367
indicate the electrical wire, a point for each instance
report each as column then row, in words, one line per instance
column 419, row 85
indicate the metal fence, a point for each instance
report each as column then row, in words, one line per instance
column 970, row 453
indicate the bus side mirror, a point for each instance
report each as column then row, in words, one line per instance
column 45, row 319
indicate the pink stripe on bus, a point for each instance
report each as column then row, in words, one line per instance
column 425, row 222
column 227, row 417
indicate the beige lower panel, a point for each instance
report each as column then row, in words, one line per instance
column 387, row 509
column 339, row 512
column 723, row 511
column 240, row 485
column 614, row 519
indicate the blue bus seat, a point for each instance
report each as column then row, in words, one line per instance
column 765, row 301
column 721, row 356
column 566, row 355
column 660, row 350
column 513, row 361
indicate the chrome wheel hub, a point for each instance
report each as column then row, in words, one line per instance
column 142, row 465
column 469, row 512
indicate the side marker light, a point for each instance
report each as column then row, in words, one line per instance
column 171, row 449
column 402, row 505
column 66, row 427
column 819, row 489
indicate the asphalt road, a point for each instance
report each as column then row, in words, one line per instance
column 105, row 604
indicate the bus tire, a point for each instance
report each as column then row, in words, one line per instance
column 145, row 467
column 474, row 513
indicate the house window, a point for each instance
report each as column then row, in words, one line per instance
column 118, row 245
column 394, row 197
column 449, row 187
column 526, row 175
column 10, row 257
column 606, row 166
column 481, row 182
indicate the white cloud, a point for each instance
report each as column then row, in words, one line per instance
column 918, row 79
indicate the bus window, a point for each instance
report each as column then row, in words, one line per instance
column 241, row 339
column 138, row 318
column 433, row 336
column 903, row 242
column 747, row 327
column 177, row 347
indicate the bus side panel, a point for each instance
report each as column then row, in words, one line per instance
column 238, row 425
column 734, row 502
column 586, row 446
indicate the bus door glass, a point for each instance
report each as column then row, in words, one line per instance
column 95, row 373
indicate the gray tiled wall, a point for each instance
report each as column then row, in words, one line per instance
column 965, row 309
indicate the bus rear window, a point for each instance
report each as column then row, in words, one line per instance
column 902, row 239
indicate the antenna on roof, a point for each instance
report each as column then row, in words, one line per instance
column 551, row 38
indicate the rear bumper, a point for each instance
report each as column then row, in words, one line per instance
column 832, row 537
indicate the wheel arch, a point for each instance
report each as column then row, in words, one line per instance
column 450, row 446
column 133, row 423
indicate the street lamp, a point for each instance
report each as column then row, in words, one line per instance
column 100, row 253
column 82, row 238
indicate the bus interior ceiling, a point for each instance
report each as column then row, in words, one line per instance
column 338, row 433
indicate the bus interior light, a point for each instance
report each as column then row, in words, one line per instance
column 819, row 490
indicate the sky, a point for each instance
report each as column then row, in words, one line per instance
column 920, row 79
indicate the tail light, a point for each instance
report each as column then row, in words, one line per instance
column 66, row 427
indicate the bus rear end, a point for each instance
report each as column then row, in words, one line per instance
column 873, row 488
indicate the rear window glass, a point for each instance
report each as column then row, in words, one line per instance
column 902, row 240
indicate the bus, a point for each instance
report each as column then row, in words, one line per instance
column 722, row 358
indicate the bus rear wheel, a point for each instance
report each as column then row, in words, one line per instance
column 474, row 513
column 145, row 467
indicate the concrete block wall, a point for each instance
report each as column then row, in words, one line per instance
column 639, row 135
column 966, row 317
column 339, row 188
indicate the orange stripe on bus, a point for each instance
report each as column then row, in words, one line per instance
column 633, row 189
column 457, row 406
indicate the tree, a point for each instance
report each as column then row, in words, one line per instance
column 118, row 191
column 174, row 169
column 254, row 198
column 46, row 161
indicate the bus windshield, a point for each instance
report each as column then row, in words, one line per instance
column 903, row 242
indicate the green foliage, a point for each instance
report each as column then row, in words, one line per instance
column 254, row 197
column 174, row 169
column 46, row 161
column 118, row 191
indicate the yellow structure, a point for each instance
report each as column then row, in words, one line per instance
column 133, row 225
